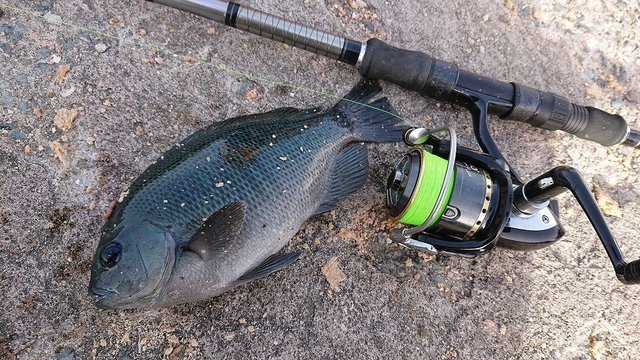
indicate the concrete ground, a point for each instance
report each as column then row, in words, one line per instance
column 86, row 106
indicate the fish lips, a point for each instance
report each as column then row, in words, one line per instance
column 101, row 296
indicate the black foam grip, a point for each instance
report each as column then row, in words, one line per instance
column 412, row 70
column 409, row 69
column 632, row 272
column 552, row 112
column 604, row 128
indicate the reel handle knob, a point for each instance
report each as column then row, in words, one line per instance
column 631, row 273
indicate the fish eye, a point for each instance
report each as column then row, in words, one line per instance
column 111, row 255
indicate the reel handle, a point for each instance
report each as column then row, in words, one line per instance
column 417, row 71
column 562, row 178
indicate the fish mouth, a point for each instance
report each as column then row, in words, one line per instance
column 101, row 296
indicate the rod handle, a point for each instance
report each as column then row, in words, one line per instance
column 417, row 71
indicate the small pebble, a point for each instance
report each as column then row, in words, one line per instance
column 52, row 18
column 66, row 354
column 6, row 29
column 54, row 59
column 68, row 91
column 100, row 47
column 42, row 53
column 17, row 135
column 173, row 339
column 369, row 25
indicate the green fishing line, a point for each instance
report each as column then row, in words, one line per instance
column 423, row 200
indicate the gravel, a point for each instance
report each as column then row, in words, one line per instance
column 562, row 302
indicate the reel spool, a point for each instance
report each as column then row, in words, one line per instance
column 414, row 186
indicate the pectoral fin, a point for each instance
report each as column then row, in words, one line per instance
column 220, row 229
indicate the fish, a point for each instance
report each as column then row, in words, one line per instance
column 215, row 210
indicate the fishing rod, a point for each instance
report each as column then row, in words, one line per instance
column 417, row 71
column 451, row 199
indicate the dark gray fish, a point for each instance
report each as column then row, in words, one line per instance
column 214, row 211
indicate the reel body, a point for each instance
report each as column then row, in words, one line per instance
column 462, row 202
column 478, row 213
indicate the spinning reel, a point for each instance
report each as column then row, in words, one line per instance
column 462, row 202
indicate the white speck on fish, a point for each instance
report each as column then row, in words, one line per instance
column 278, row 167
column 208, row 159
column 220, row 184
column 182, row 205
column 283, row 158
column 273, row 136
column 306, row 127
column 165, row 201
column 301, row 149
column 206, row 202
column 228, row 181
column 270, row 144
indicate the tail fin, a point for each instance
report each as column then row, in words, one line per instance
column 370, row 122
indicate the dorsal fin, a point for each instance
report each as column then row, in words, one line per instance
column 348, row 175
column 218, row 230
column 272, row 264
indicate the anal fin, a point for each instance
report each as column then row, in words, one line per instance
column 272, row 264
column 348, row 175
